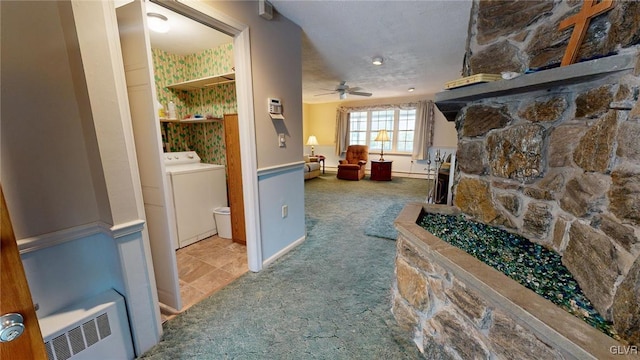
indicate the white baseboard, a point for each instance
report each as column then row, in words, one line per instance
column 285, row 250
column 404, row 174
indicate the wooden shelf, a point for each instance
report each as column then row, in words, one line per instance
column 190, row 120
column 204, row 82
column 199, row 120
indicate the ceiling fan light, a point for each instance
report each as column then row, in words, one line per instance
column 158, row 23
column 343, row 95
column 377, row 61
column 411, row 89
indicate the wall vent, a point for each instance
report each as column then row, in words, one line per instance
column 95, row 329
column 265, row 9
column 72, row 342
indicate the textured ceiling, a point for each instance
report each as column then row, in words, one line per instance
column 422, row 43
column 186, row 36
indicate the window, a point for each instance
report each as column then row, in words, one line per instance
column 399, row 123
column 406, row 128
column 358, row 128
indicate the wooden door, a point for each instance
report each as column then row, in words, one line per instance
column 15, row 296
column 234, row 178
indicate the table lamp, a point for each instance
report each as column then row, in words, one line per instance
column 382, row 136
column 312, row 141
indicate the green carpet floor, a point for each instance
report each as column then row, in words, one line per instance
column 329, row 298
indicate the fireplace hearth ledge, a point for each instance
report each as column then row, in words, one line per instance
column 555, row 327
column 450, row 102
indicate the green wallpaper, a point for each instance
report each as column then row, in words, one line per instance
column 209, row 62
column 207, row 139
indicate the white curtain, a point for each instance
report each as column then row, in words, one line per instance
column 402, row 106
column 342, row 130
column 423, row 136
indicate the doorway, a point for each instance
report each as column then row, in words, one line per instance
column 172, row 135
column 195, row 85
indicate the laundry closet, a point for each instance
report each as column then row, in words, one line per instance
column 196, row 106
column 202, row 88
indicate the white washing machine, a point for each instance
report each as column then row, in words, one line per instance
column 196, row 190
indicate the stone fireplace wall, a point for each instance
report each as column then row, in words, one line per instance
column 457, row 307
column 560, row 166
column 520, row 35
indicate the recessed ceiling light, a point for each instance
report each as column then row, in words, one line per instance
column 158, row 22
column 411, row 89
column 377, row 60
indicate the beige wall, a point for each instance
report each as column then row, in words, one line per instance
column 444, row 132
column 320, row 120
column 276, row 66
column 276, row 52
column 51, row 172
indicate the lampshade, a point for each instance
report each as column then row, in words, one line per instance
column 312, row 140
column 382, row 136
column 158, row 22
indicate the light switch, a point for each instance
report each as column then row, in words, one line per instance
column 281, row 140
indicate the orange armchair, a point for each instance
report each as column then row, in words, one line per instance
column 352, row 167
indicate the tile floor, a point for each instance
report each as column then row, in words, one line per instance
column 206, row 267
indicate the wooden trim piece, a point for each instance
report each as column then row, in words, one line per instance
column 234, row 178
column 246, row 120
column 44, row 241
column 280, row 168
column 128, row 228
column 15, row 296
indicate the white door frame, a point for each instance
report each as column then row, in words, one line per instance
column 141, row 90
column 244, row 92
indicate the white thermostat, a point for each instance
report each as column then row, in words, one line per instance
column 275, row 109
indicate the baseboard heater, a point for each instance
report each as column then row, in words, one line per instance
column 93, row 329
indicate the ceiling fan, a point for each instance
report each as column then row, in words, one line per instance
column 343, row 89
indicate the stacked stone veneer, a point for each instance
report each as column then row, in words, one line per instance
column 520, row 35
column 560, row 166
column 457, row 307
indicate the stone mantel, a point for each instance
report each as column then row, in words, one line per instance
column 449, row 102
